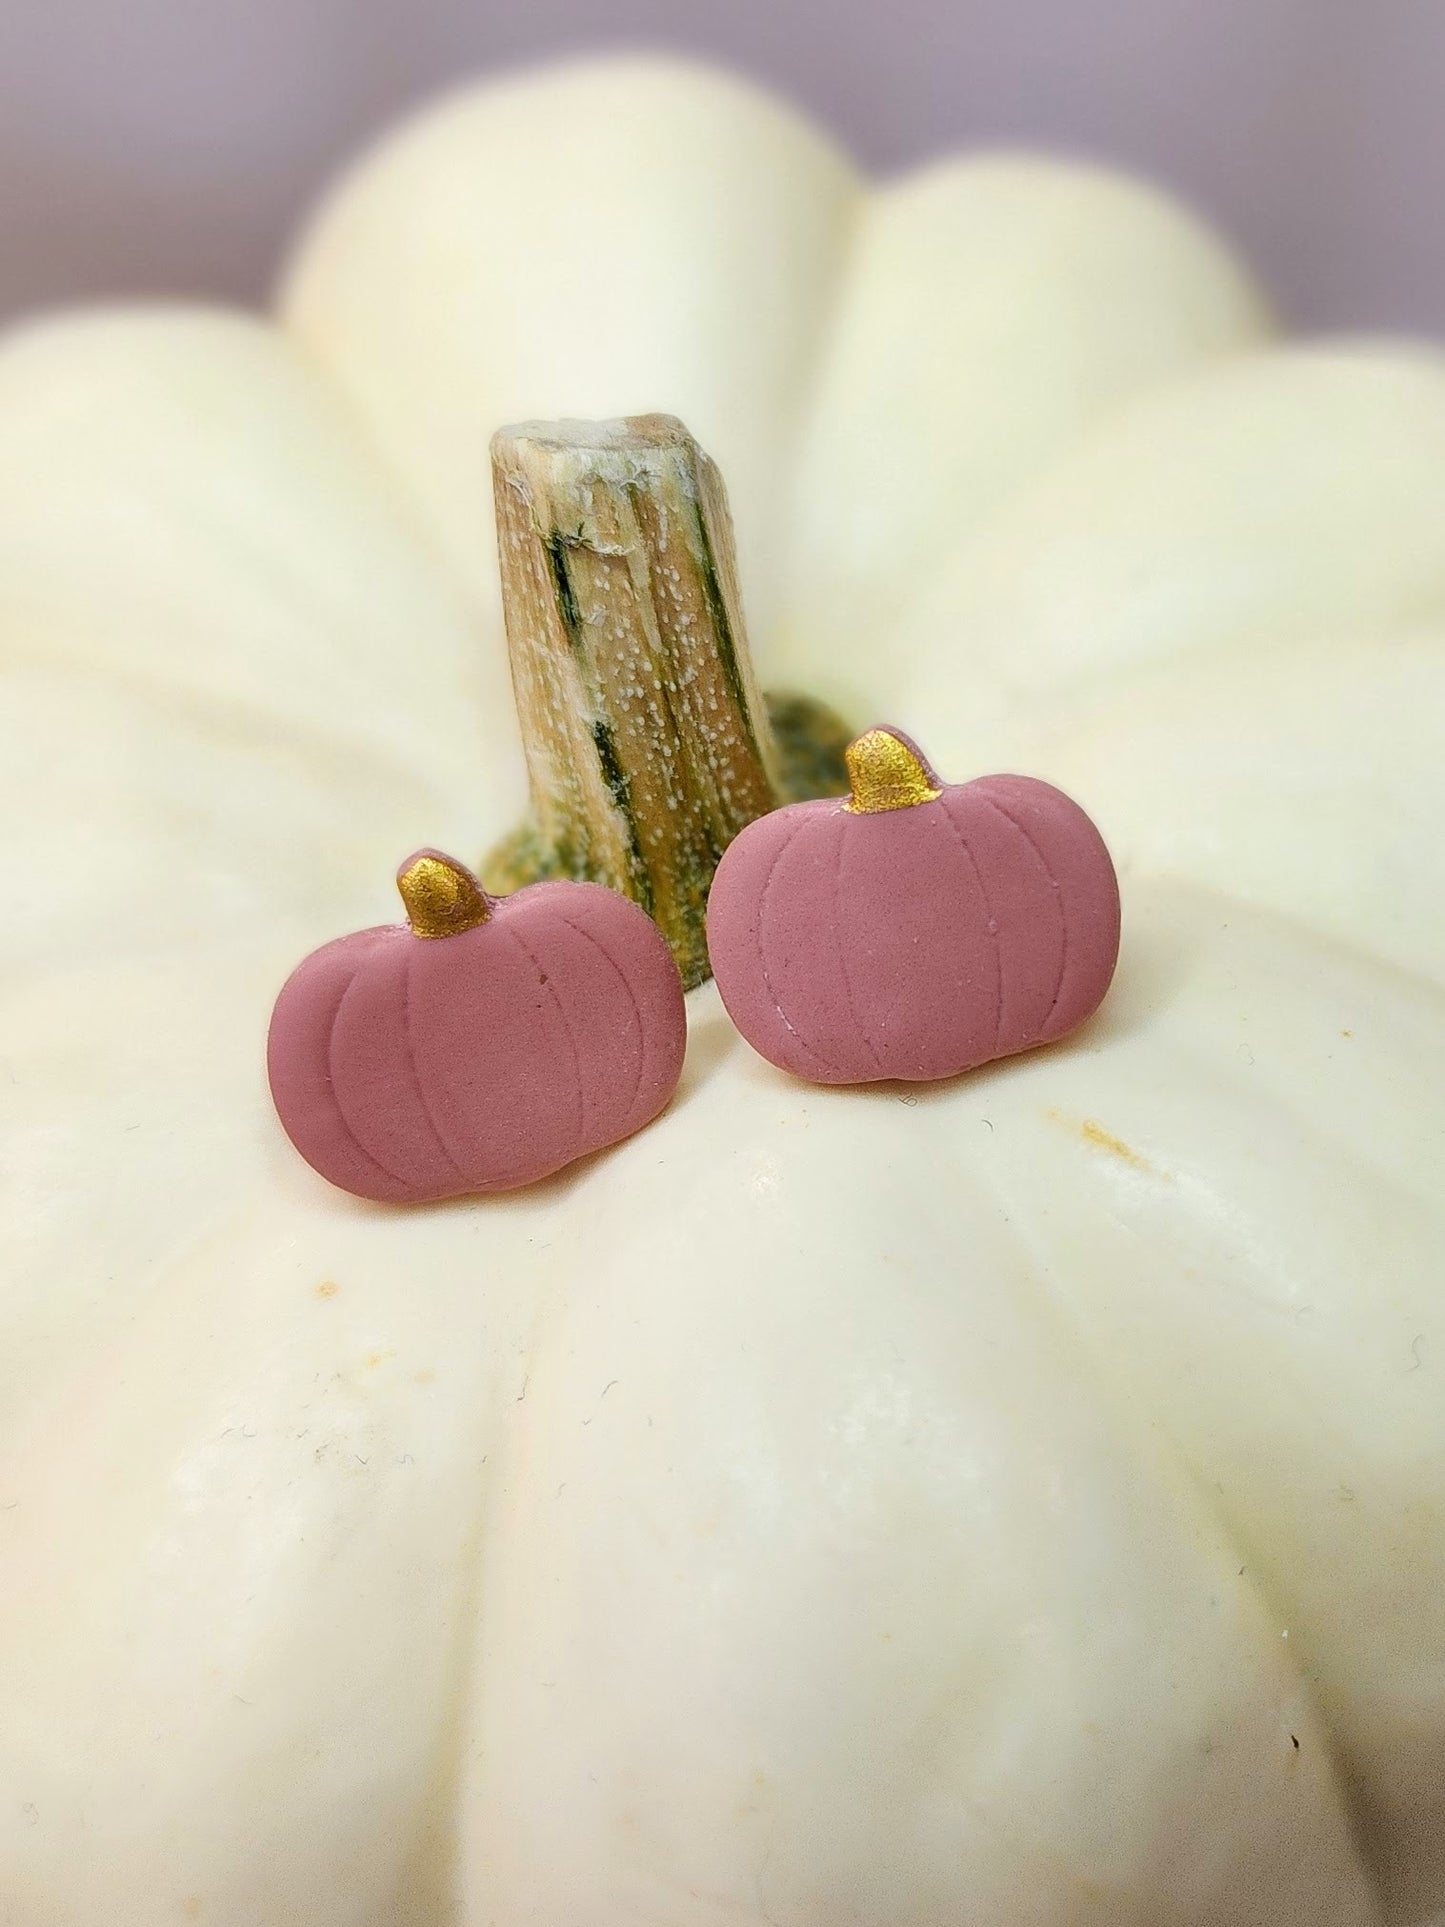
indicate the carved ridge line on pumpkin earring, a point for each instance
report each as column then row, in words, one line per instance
column 351, row 1130
column 977, row 869
column 1059, row 904
column 843, row 955
column 408, row 964
column 620, row 975
column 832, row 1069
column 546, row 984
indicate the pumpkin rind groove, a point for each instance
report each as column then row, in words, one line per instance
column 761, row 926
column 841, row 950
column 636, row 1014
column 1047, row 868
column 544, row 982
column 410, row 959
column 960, row 836
column 334, row 1094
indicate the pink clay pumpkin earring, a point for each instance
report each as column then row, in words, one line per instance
column 916, row 929
column 482, row 1045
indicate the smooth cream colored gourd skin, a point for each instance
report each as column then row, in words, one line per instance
column 1020, row 1504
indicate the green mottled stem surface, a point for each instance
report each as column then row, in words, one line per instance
column 648, row 745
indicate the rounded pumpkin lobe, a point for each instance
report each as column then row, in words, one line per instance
column 916, row 930
column 482, row 1047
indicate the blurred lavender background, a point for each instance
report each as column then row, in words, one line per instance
column 168, row 146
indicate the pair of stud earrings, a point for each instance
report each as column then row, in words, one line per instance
column 912, row 930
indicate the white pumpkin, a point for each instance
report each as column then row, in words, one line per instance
column 1021, row 1503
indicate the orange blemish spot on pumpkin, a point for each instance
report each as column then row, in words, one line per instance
column 1094, row 1133
column 424, row 1377
column 328, row 1288
column 192, row 1906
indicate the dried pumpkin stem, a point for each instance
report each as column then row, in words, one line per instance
column 648, row 745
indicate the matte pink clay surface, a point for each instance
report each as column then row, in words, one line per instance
column 914, row 942
column 408, row 1068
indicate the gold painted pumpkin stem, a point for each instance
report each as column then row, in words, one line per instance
column 442, row 897
column 888, row 772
